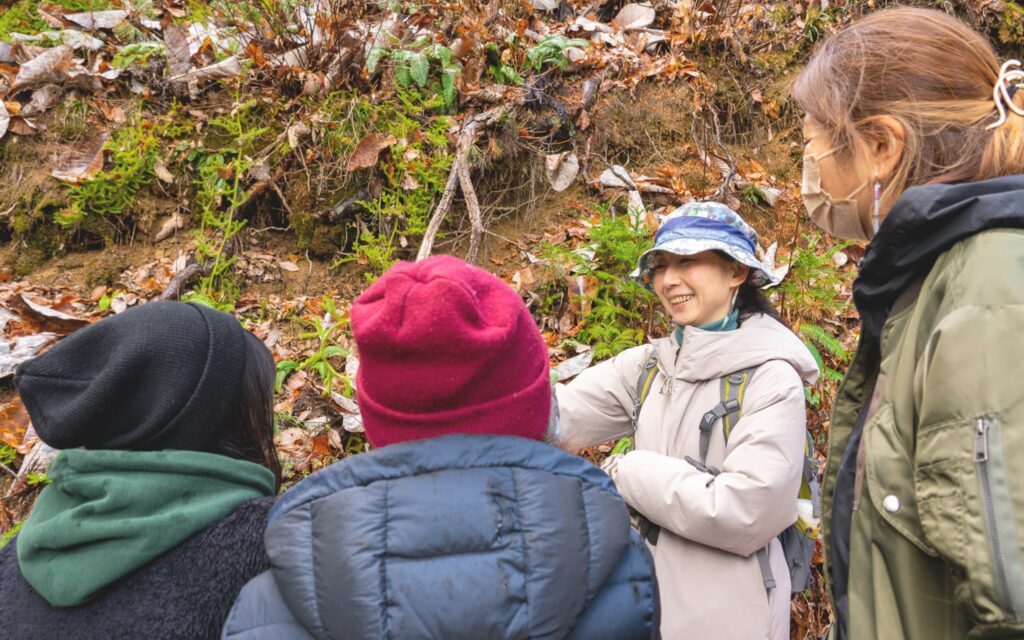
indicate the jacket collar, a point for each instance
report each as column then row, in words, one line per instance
column 708, row 355
column 924, row 223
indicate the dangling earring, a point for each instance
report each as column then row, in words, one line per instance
column 878, row 196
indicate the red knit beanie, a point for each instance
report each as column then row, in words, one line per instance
column 445, row 347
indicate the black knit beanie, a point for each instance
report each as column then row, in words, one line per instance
column 163, row 375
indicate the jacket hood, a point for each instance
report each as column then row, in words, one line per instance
column 455, row 536
column 706, row 355
column 924, row 223
column 107, row 513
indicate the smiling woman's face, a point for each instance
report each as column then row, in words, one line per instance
column 697, row 289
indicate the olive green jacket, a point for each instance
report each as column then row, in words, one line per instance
column 935, row 540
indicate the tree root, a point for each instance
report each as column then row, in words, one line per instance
column 460, row 177
column 183, row 278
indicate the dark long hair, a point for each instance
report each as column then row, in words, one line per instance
column 249, row 427
column 751, row 301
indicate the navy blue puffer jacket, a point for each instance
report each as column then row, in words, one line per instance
column 452, row 537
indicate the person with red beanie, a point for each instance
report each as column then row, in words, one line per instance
column 460, row 523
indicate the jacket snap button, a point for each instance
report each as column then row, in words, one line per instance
column 891, row 503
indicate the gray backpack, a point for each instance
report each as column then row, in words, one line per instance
column 798, row 540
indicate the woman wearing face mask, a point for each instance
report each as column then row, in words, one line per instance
column 919, row 127
column 712, row 510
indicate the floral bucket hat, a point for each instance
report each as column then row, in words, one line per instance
column 706, row 226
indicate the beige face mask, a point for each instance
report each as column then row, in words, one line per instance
column 838, row 218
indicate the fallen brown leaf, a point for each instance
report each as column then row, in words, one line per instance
column 98, row 19
column 13, row 424
column 49, row 66
column 43, row 99
column 228, row 68
column 561, row 169
column 22, row 126
column 179, row 62
column 75, row 165
column 365, row 154
column 170, row 225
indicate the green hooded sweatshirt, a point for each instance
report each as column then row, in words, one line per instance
column 107, row 513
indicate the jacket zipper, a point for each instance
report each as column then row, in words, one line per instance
column 981, row 462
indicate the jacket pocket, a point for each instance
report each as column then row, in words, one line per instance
column 888, row 472
column 967, row 512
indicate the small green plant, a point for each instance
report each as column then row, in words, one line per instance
column 501, row 71
column 325, row 330
column 9, row 534
column 621, row 310
column 811, row 290
column 284, row 420
column 23, row 16
column 220, row 193
column 413, row 65
column 138, row 53
column 816, row 24
column 551, row 52
column 7, row 454
column 133, row 153
column 823, row 344
column 414, row 176
column 38, row 479
column 753, row 194
column 1011, row 27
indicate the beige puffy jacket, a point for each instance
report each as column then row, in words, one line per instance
column 712, row 526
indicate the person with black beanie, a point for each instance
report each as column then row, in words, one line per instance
column 155, row 514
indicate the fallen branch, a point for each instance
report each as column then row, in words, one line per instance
column 731, row 173
column 183, row 278
column 460, row 176
column 473, row 207
column 193, row 271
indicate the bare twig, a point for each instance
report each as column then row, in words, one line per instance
column 8, row 469
column 473, row 207
column 184, row 278
column 471, row 130
column 724, row 189
column 440, row 212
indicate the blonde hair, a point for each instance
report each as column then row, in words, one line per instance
column 931, row 73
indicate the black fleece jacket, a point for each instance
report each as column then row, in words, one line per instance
column 186, row 593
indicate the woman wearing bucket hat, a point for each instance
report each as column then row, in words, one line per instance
column 155, row 515
column 914, row 138
column 711, row 506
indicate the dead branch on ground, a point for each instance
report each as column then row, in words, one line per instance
column 460, row 176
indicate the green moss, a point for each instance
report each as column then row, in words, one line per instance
column 9, row 535
column 133, row 153
column 1011, row 27
column 775, row 62
column 23, row 16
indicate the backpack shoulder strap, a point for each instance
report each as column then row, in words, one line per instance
column 643, row 386
column 729, row 409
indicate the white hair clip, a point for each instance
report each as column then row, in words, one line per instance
column 1008, row 75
